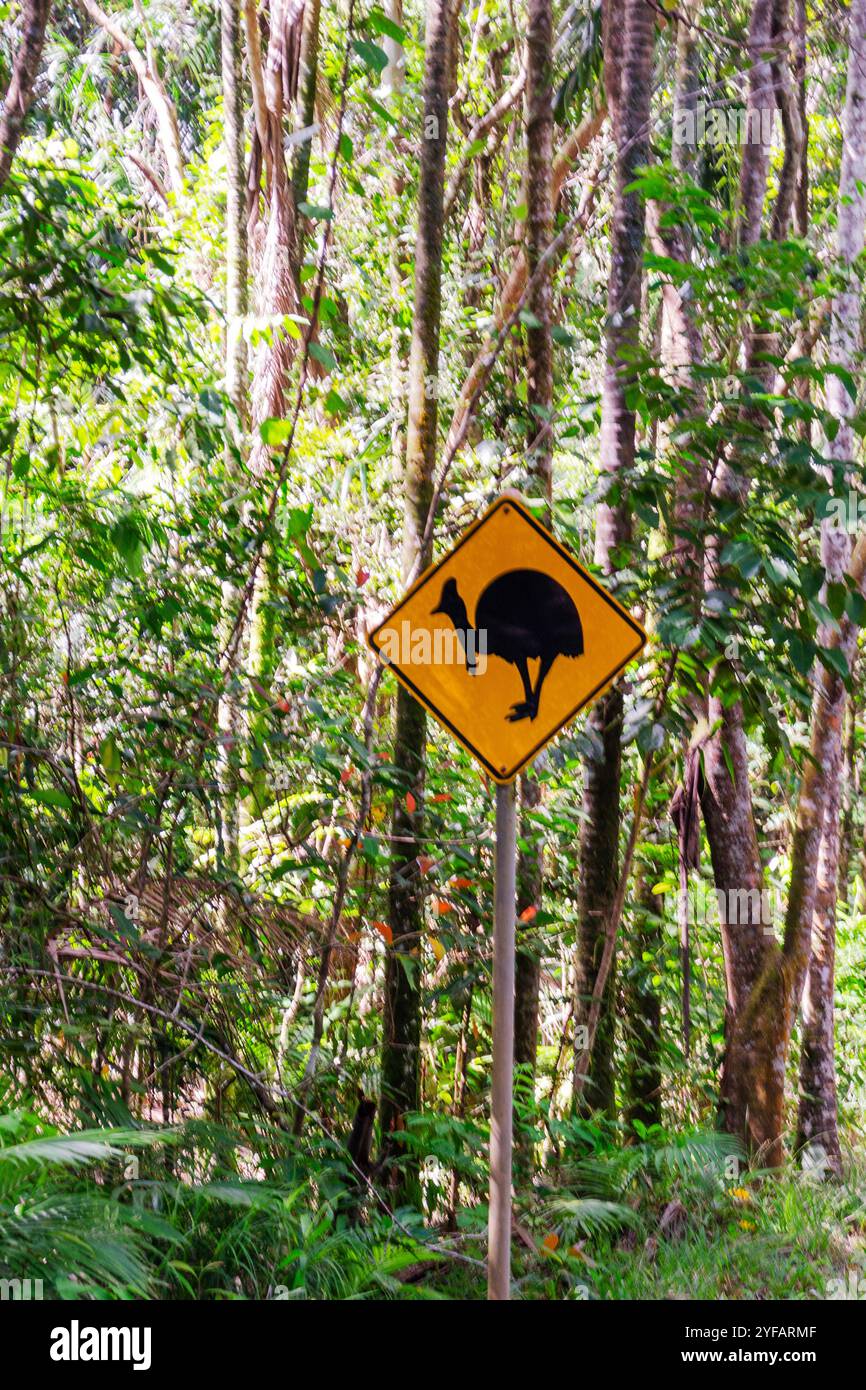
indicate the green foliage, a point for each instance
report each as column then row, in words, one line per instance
column 196, row 776
column 77, row 1213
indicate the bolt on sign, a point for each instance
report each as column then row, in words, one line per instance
column 506, row 639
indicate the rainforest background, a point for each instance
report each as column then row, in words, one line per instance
column 290, row 291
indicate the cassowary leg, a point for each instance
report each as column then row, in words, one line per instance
column 523, row 709
column 544, row 667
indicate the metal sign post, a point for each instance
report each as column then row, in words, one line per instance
column 504, row 915
column 504, row 640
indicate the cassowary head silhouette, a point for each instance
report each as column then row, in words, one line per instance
column 452, row 605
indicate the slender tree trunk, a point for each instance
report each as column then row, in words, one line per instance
column 817, row 1117
column 539, row 233
column 682, row 352
column 788, row 102
column 275, row 258
column 480, row 371
column 760, row 1030
column 305, row 113
column 801, row 193
column 850, row 796
column 761, row 98
column 402, row 1022
column 687, row 86
column 146, row 70
column 458, row 1104
column 237, row 290
column 817, row 1129
column 752, row 1086
column 752, row 1092
column 236, row 385
column 643, row 1076
column 539, row 395
column 19, row 93
column 629, row 82
column 394, row 81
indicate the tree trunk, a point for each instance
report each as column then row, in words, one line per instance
column 687, row 87
column 850, row 796
column 402, row 1022
column 788, row 101
column 801, row 193
column 539, row 225
column 305, row 112
column 643, row 1075
column 817, row 1130
column 393, row 82
column 761, row 98
column 275, row 258
column 145, row 67
column 817, row 1117
column 19, row 94
column 237, row 307
column 752, row 1094
column 629, row 83
column 760, row 1030
column 480, row 372
column 753, row 1082
column 539, row 396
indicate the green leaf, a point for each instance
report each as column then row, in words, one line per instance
column 127, row 540
column 109, row 756
column 275, row 432
column 836, row 596
column 316, row 213
column 321, row 354
column 50, row 796
column 383, row 25
column 371, row 55
column 855, row 607
column 743, row 556
column 835, row 660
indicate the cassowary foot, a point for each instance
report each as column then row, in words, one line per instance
column 522, row 709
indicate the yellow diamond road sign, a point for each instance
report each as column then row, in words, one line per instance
column 506, row 639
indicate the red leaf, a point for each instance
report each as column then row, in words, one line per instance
column 384, row 930
column 528, row 913
column 425, row 863
column 550, row 1241
column 346, row 774
column 411, row 804
column 361, row 576
column 461, row 883
column 442, row 796
column 442, row 906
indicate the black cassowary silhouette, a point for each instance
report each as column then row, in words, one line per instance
column 524, row 616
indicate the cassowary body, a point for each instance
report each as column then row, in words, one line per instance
column 522, row 616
